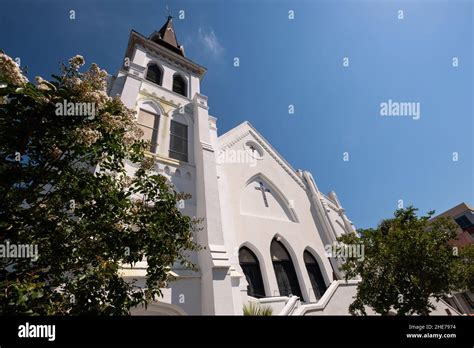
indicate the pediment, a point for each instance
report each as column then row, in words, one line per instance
column 247, row 145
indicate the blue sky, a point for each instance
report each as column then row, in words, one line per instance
column 299, row 62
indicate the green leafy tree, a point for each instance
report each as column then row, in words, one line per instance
column 64, row 189
column 464, row 269
column 407, row 260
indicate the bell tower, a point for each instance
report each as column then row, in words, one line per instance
column 162, row 85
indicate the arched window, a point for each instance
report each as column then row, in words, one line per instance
column 317, row 280
column 284, row 270
column 251, row 267
column 149, row 122
column 179, row 85
column 154, row 74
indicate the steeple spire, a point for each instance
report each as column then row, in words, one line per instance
column 166, row 37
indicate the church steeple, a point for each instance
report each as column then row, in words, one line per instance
column 167, row 32
column 166, row 37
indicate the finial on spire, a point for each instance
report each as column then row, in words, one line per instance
column 166, row 36
column 169, row 12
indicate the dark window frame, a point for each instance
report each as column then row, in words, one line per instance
column 463, row 222
column 315, row 275
column 181, row 89
column 155, row 129
column 253, row 274
column 285, row 273
column 173, row 153
column 159, row 69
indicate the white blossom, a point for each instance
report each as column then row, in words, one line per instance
column 87, row 136
column 10, row 72
column 76, row 62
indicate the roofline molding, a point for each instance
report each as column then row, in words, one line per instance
column 223, row 145
column 138, row 39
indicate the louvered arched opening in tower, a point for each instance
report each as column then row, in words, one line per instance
column 179, row 85
column 154, row 74
column 251, row 268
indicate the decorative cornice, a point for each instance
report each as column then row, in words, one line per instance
column 268, row 150
column 188, row 111
column 219, row 256
column 145, row 84
column 279, row 161
column 234, row 141
column 166, row 60
column 212, row 123
column 201, row 100
column 167, row 160
column 207, row 146
column 137, row 67
column 138, row 39
column 328, row 202
column 129, row 74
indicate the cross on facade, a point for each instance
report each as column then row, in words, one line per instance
column 263, row 190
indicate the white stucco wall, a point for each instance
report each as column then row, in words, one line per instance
column 224, row 194
column 249, row 223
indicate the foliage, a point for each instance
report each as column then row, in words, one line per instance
column 254, row 308
column 464, row 269
column 407, row 260
column 64, row 188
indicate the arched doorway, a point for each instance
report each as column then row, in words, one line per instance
column 316, row 277
column 284, row 270
column 251, row 267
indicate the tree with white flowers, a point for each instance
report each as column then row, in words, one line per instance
column 64, row 189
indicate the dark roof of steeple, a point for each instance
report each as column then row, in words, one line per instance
column 166, row 37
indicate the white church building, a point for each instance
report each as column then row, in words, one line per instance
column 265, row 225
